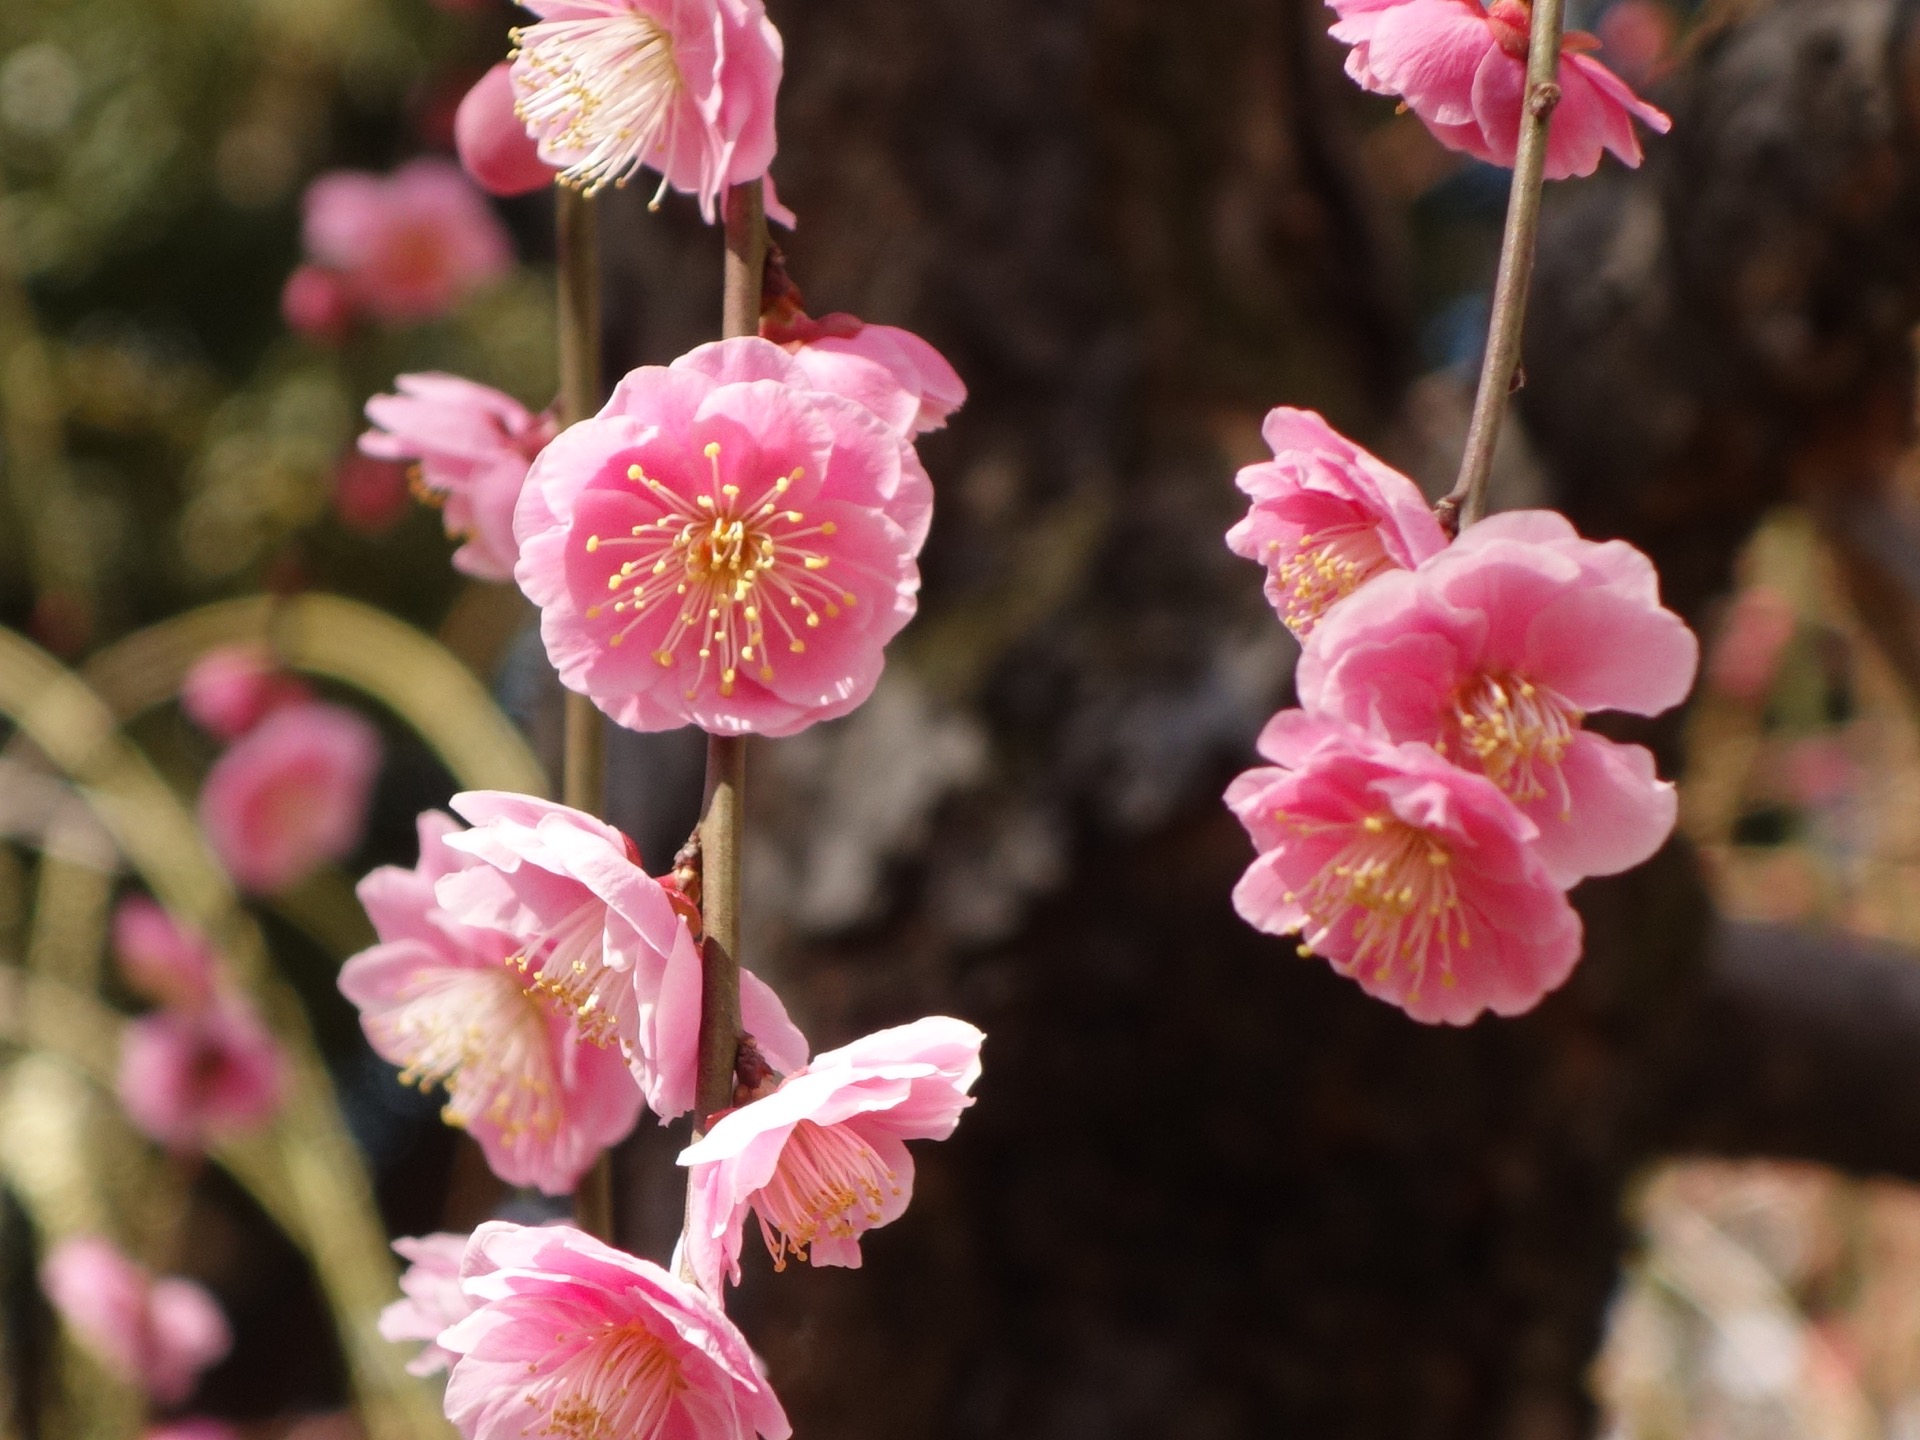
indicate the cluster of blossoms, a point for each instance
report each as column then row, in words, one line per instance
column 157, row 1335
column 1436, row 792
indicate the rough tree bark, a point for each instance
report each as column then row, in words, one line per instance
column 1209, row 1189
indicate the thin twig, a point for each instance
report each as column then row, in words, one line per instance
column 1499, row 368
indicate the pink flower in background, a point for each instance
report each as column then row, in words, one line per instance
column 599, row 938
column 1495, row 651
column 494, row 146
column 446, row 1002
column 893, row 372
column 1463, row 70
column 473, row 445
column 724, row 545
column 408, row 246
column 1326, row 518
column 318, row 304
column 189, row 1078
column 433, row 1298
column 161, row 959
column 192, row 1427
column 1410, row 875
column 230, row 690
column 1759, row 625
column 682, row 87
column 156, row 1334
column 822, row 1159
column 572, row 1337
column 290, row 795
column 369, row 495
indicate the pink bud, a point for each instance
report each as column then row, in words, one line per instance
column 494, row 146
column 316, row 304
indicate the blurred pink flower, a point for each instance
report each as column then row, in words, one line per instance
column 446, row 1003
column 473, row 445
column 433, row 1298
column 317, row 303
column 1326, row 518
column 724, row 545
column 1463, row 70
column 1754, row 634
column 494, row 146
column 822, row 1158
column 1494, row 651
column 290, row 795
column 1410, row 875
column 407, row 246
column 230, row 690
column 161, row 959
column 191, row 1427
column 189, row 1078
column 156, row 1334
column 682, row 87
column 572, row 1337
column 599, row 937
column 893, row 372
column 1638, row 36
column 369, row 495
column 1819, row 770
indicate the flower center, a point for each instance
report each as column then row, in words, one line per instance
column 740, row 575
column 829, row 1182
column 1519, row 732
column 1323, row 570
column 1393, row 884
column 571, row 971
column 602, row 90
column 608, row 1382
column 479, row 1034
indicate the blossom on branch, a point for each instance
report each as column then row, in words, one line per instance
column 161, row 959
column 1412, row 876
column 1326, row 518
column 231, row 689
column 191, row 1076
column 156, row 1334
column 570, row 1337
column 822, row 1159
column 447, row 1003
column 724, row 545
column 682, row 87
column 893, row 372
column 473, row 445
column 1463, row 70
column 432, row 1298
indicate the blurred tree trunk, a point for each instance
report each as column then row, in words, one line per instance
column 1210, row 1189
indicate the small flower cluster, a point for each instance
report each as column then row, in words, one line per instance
column 155, row 1334
column 1437, row 792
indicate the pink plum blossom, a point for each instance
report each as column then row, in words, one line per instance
column 891, row 371
column 494, row 146
column 1463, row 70
column 724, row 545
column 161, row 959
column 599, row 938
column 1494, row 652
column 432, row 1301
column 290, row 795
column 473, row 445
column 1326, row 518
column 318, row 304
column 572, row 1337
column 1414, row 877
column 822, row 1158
column 189, row 1078
column 408, row 246
column 682, row 87
column 446, row 1002
column 230, row 690
column 156, row 1334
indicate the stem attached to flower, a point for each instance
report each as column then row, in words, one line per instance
column 583, row 742
column 1500, row 367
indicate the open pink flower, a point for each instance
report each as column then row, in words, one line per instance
column 724, row 545
column 682, row 87
column 572, row 1337
column 1463, row 70
column 233, row 688
column 822, row 1158
column 1326, row 518
column 407, row 246
column 290, row 795
column 494, row 146
column 156, row 1334
column 1495, row 651
column 161, row 959
column 473, row 445
column 432, row 1301
column 189, row 1078
column 1410, row 875
column 447, row 1003
column 893, row 372
column 599, row 938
